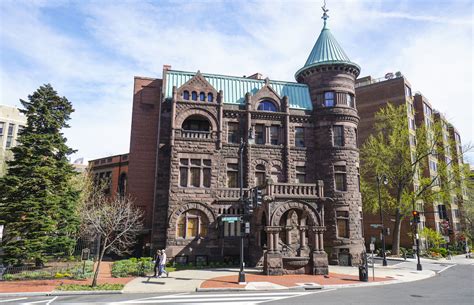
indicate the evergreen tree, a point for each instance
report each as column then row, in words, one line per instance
column 37, row 201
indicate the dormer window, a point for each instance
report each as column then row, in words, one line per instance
column 210, row 98
column 202, row 97
column 186, row 95
column 329, row 99
column 194, row 96
column 267, row 106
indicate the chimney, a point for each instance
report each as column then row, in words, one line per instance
column 256, row 76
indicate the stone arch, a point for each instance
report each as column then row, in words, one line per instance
column 308, row 212
column 173, row 218
column 196, row 111
column 266, row 93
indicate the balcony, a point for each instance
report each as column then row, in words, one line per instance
column 290, row 190
column 276, row 190
column 230, row 193
column 192, row 134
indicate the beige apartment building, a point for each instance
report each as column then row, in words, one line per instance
column 11, row 122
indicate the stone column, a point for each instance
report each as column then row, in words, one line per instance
column 273, row 263
column 321, row 243
column 270, row 241
column 275, row 241
column 288, row 235
column 303, row 237
column 316, row 241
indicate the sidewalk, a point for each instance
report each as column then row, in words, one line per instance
column 227, row 279
column 50, row 285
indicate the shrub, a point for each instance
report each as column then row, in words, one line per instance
column 132, row 267
column 28, row 275
column 79, row 287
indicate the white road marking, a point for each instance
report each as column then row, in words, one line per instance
column 47, row 301
column 446, row 268
column 227, row 298
column 301, row 294
column 11, row 300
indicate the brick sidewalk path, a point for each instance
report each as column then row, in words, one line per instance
column 105, row 276
column 286, row 280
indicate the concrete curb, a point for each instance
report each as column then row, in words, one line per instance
column 294, row 288
column 59, row 293
column 297, row 288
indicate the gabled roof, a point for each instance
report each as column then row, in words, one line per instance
column 326, row 50
column 235, row 88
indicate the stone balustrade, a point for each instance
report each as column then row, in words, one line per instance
column 230, row 193
column 191, row 134
column 294, row 190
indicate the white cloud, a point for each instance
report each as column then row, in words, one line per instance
column 122, row 39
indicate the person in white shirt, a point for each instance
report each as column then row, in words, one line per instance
column 163, row 264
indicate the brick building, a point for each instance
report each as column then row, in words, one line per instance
column 374, row 94
column 299, row 147
column 112, row 173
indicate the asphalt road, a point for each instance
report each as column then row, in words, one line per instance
column 453, row 285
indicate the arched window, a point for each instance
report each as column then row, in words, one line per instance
column 202, row 96
column 186, row 95
column 196, row 123
column 192, row 224
column 210, row 97
column 194, row 96
column 267, row 106
column 260, row 175
column 122, row 187
column 276, row 174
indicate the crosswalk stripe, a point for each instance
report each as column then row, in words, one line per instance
column 221, row 298
column 11, row 300
column 238, row 294
column 199, row 300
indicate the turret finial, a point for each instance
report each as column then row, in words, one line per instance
column 325, row 15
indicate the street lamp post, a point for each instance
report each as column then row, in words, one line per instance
column 385, row 182
column 242, row 200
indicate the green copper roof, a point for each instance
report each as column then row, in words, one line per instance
column 326, row 50
column 235, row 88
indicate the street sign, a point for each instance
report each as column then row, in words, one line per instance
column 372, row 247
column 231, row 218
column 375, row 225
column 373, row 239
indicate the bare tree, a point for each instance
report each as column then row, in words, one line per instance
column 116, row 221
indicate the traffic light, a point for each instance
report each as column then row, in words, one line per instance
column 249, row 206
column 416, row 217
column 257, row 197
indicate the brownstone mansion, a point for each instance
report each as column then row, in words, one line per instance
column 300, row 149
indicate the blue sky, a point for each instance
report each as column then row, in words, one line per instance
column 91, row 50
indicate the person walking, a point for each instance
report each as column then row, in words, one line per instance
column 163, row 264
column 157, row 259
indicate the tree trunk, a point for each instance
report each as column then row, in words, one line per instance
column 396, row 233
column 96, row 273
